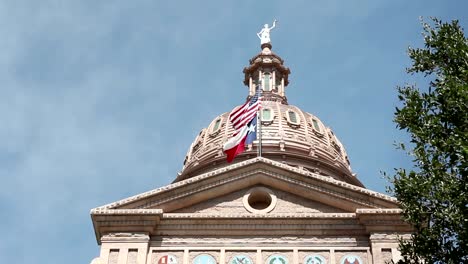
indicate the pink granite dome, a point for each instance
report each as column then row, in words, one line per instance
column 289, row 134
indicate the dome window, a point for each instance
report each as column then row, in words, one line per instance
column 216, row 127
column 267, row 116
column 293, row 118
column 316, row 125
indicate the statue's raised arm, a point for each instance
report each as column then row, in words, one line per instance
column 264, row 34
column 274, row 24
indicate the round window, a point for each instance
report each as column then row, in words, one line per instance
column 259, row 200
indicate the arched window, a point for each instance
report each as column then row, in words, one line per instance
column 267, row 115
column 293, row 118
column 216, row 125
column 266, row 82
column 316, row 125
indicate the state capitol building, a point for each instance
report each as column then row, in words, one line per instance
column 297, row 203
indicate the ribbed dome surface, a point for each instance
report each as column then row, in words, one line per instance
column 289, row 135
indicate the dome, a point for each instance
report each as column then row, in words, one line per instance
column 288, row 134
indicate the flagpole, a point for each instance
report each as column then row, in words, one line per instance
column 259, row 124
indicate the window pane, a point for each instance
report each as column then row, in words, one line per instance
column 216, row 125
column 266, row 82
column 292, row 117
column 316, row 125
column 266, row 114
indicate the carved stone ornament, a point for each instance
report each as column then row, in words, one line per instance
column 125, row 237
column 351, row 259
column 277, row 259
column 204, row 259
column 168, row 259
column 241, row 259
column 314, row 259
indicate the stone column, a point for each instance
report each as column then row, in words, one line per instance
column 222, row 256
column 186, row 256
column 259, row 256
column 122, row 243
column 384, row 247
column 295, row 256
column 260, row 79
column 281, row 91
column 332, row 256
column 273, row 80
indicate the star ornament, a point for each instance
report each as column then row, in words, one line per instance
column 251, row 128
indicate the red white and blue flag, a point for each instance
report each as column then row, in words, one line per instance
column 244, row 120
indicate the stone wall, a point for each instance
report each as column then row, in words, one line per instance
column 286, row 203
column 138, row 253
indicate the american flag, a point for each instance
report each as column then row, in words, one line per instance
column 242, row 115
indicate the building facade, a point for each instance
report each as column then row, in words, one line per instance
column 298, row 202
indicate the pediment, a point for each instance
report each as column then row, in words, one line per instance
column 238, row 203
column 209, row 203
column 227, row 185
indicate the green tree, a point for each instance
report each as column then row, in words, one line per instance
column 434, row 193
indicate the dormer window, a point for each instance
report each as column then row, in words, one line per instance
column 317, row 127
column 293, row 118
column 215, row 127
column 267, row 115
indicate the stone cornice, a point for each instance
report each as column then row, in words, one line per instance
column 107, row 211
column 379, row 211
column 126, row 237
column 380, row 220
column 115, row 224
column 259, row 216
column 118, row 223
column 175, row 185
column 261, row 160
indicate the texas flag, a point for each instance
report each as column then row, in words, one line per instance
column 244, row 121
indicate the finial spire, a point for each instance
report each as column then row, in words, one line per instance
column 264, row 34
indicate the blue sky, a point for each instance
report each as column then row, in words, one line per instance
column 100, row 100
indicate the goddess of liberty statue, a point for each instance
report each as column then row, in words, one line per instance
column 264, row 34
